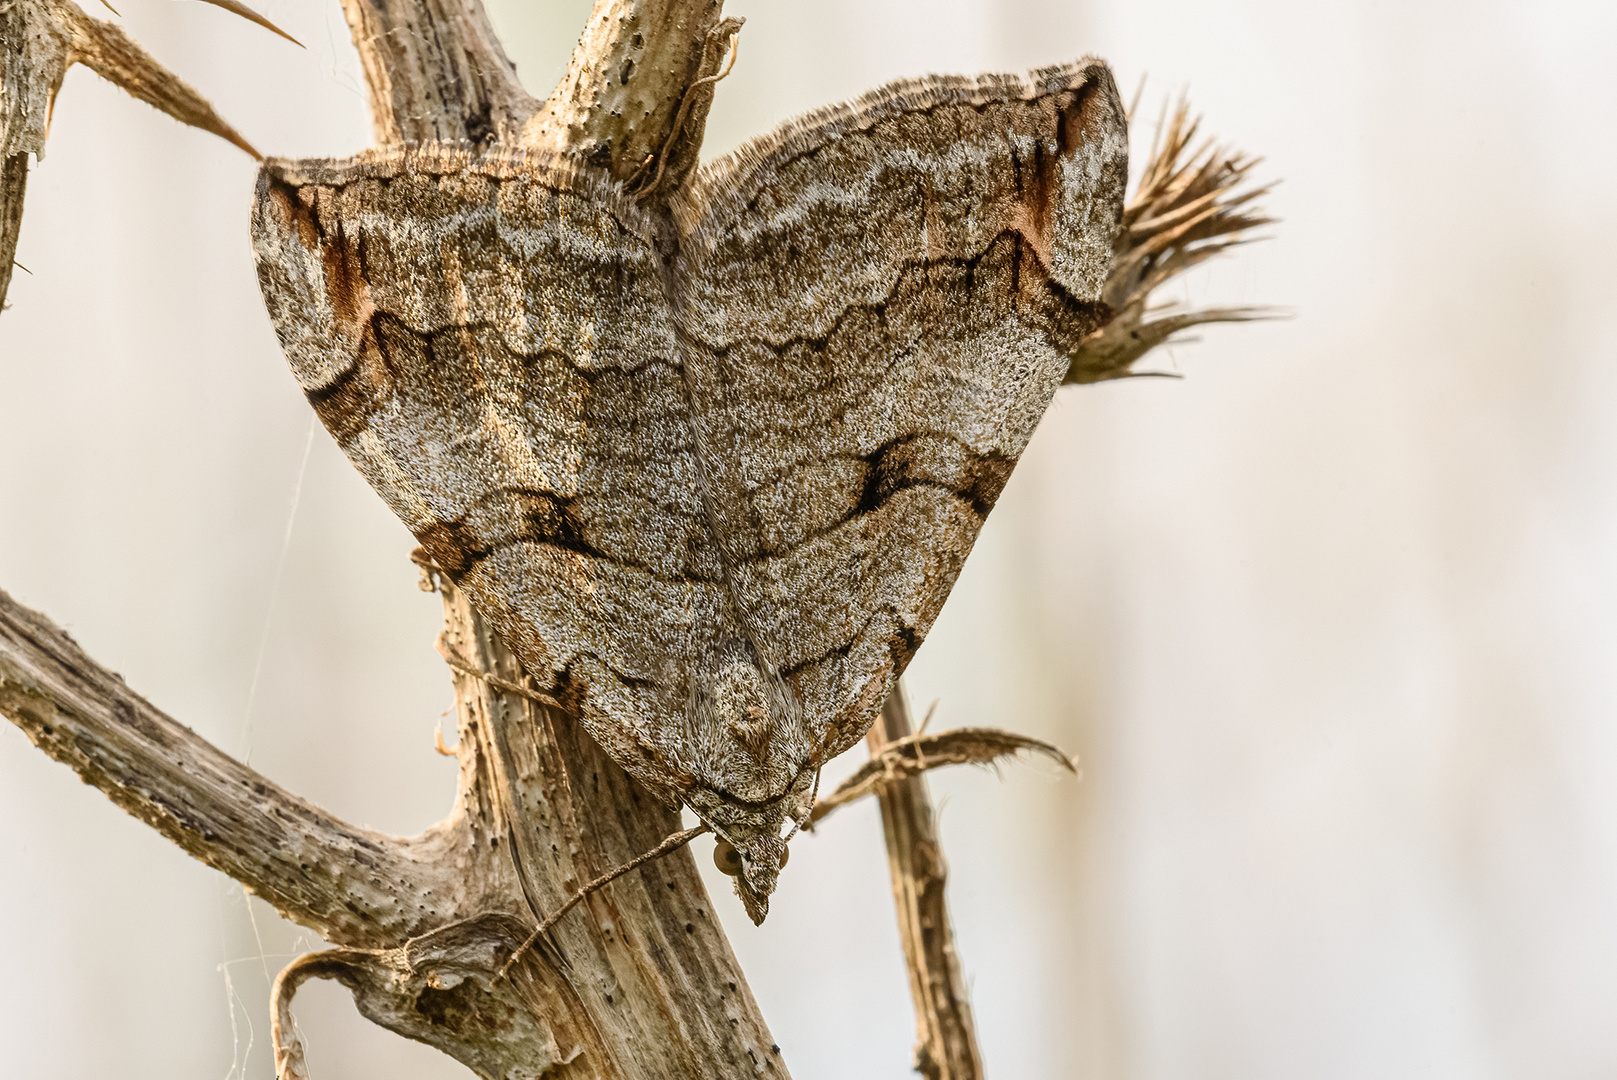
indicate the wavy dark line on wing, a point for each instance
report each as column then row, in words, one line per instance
column 528, row 516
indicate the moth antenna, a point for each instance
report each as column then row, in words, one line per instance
column 671, row 843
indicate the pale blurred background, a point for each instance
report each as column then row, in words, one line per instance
column 1331, row 621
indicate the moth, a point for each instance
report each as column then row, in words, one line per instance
column 710, row 472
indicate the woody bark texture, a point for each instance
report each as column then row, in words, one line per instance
column 13, row 185
column 636, row 92
column 350, row 885
column 436, row 71
column 634, row 100
column 638, row 982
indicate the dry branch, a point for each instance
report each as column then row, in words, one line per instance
column 13, row 186
column 945, row 1037
column 436, row 71
column 638, row 980
column 636, row 65
column 348, row 884
column 946, row 1040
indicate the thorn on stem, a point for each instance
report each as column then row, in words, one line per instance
column 238, row 8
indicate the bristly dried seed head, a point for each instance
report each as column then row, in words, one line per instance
column 1189, row 206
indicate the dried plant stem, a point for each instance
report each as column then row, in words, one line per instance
column 916, row 754
column 945, row 1038
column 436, row 71
column 13, row 185
column 629, row 81
column 639, row 981
column 348, row 884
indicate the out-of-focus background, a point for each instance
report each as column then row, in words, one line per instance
column 1332, row 621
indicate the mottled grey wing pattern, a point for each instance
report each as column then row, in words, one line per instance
column 878, row 304
column 489, row 342
column 713, row 504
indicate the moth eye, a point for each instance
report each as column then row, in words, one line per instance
column 727, row 858
column 785, row 855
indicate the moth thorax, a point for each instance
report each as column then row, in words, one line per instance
column 741, row 703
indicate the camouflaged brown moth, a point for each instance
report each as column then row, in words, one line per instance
column 709, row 465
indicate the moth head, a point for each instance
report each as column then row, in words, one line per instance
column 751, row 847
column 755, row 862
